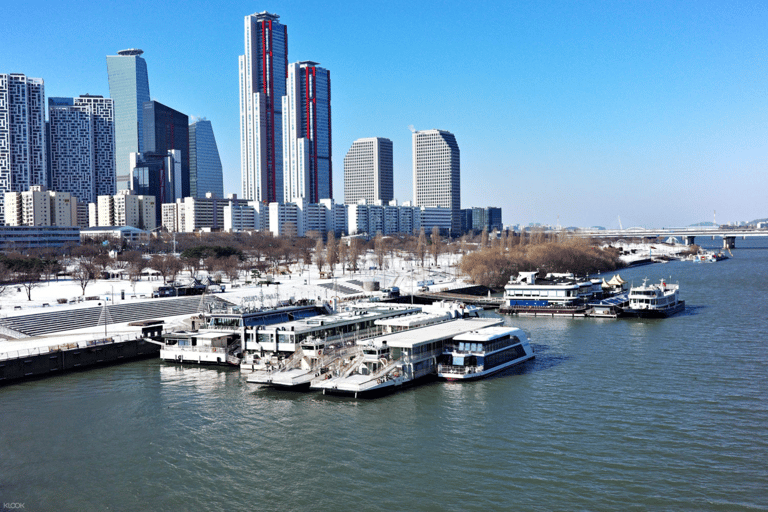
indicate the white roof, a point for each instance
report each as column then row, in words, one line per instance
column 489, row 333
column 442, row 331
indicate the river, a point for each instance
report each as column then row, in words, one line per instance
column 623, row 414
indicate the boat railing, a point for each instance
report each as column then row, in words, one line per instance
column 355, row 336
column 458, row 370
column 198, row 348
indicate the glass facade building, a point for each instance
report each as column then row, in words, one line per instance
column 205, row 172
column 129, row 89
column 166, row 129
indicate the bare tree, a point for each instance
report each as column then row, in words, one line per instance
column 421, row 246
column 84, row 273
column 331, row 251
column 319, row 255
column 343, row 253
column 484, row 238
column 355, row 250
column 231, row 267
column 5, row 278
column 380, row 249
column 29, row 279
column 437, row 246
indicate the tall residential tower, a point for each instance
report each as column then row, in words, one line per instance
column 22, row 134
column 368, row 171
column 129, row 88
column 436, row 173
column 263, row 71
column 81, row 133
column 307, row 133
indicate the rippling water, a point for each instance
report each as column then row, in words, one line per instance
column 612, row 414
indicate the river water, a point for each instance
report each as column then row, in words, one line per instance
column 612, row 415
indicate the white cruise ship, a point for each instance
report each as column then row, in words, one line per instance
column 483, row 352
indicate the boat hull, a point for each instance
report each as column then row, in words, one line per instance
column 655, row 313
column 453, row 377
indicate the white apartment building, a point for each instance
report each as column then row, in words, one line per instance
column 253, row 216
column 437, row 173
column 126, row 209
column 23, row 158
column 198, row 213
column 40, row 207
column 368, row 171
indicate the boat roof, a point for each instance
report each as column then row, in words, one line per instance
column 322, row 322
column 432, row 333
column 489, row 333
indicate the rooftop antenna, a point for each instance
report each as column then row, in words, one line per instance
column 620, row 227
column 714, row 217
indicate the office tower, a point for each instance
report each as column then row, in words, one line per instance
column 263, row 70
column 307, row 133
column 166, row 129
column 129, row 88
column 81, row 142
column 205, row 173
column 368, row 171
column 158, row 175
column 22, row 134
column 436, row 173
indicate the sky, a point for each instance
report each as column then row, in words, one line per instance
column 633, row 113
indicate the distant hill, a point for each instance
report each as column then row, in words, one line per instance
column 703, row 224
column 601, row 228
column 759, row 220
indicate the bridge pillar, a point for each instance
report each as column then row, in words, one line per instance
column 689, row 239
column 729, row 242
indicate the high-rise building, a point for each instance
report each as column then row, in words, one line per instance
column 307, row 133
column 166, row 129
column 263, row 71
column 205, row 174
column 436, row 173
column 40, row 207
column 368, row 171
column 157, row 175
column 22, row 134
column 81, row 146
column 129, row 88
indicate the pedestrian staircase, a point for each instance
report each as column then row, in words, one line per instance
column 68, row 320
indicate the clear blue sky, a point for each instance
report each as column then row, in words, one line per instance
column 656, row 112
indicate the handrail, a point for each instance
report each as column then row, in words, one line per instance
column 35, row 351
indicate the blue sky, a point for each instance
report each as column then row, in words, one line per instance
column 656, row 112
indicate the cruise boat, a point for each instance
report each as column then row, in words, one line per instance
column 204, row 346
column 555, row 294
column 314, row 358
column 483, row 352
column 654, row 300
column 396, row 360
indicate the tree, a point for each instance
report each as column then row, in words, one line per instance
column 343, row 253
column 29, row 278
column 484, row 238
column 355, row 250
column 5, row 278
column 421, row 246
column 437, row 245
column 319, row 255
column 380, row 249
column 231, row 267
column 331, row 251
column 84, row 273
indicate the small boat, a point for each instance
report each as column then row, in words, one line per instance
column 654, row 300
column 483, row 352
column 710, row 257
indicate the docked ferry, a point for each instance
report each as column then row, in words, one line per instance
column 397, row 360
column 654, row 300
column 477, row 354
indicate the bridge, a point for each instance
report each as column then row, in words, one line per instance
column 688, row 235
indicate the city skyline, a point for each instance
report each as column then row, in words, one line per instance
column 580, row 114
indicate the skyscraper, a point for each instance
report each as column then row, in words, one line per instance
column 166, row 129
column 22, row 134
column 205, row 174
column 436, row 173
column 129, row 88
column 81, row 141
column 307, row 133
column 368, row 171
column 263, row 70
